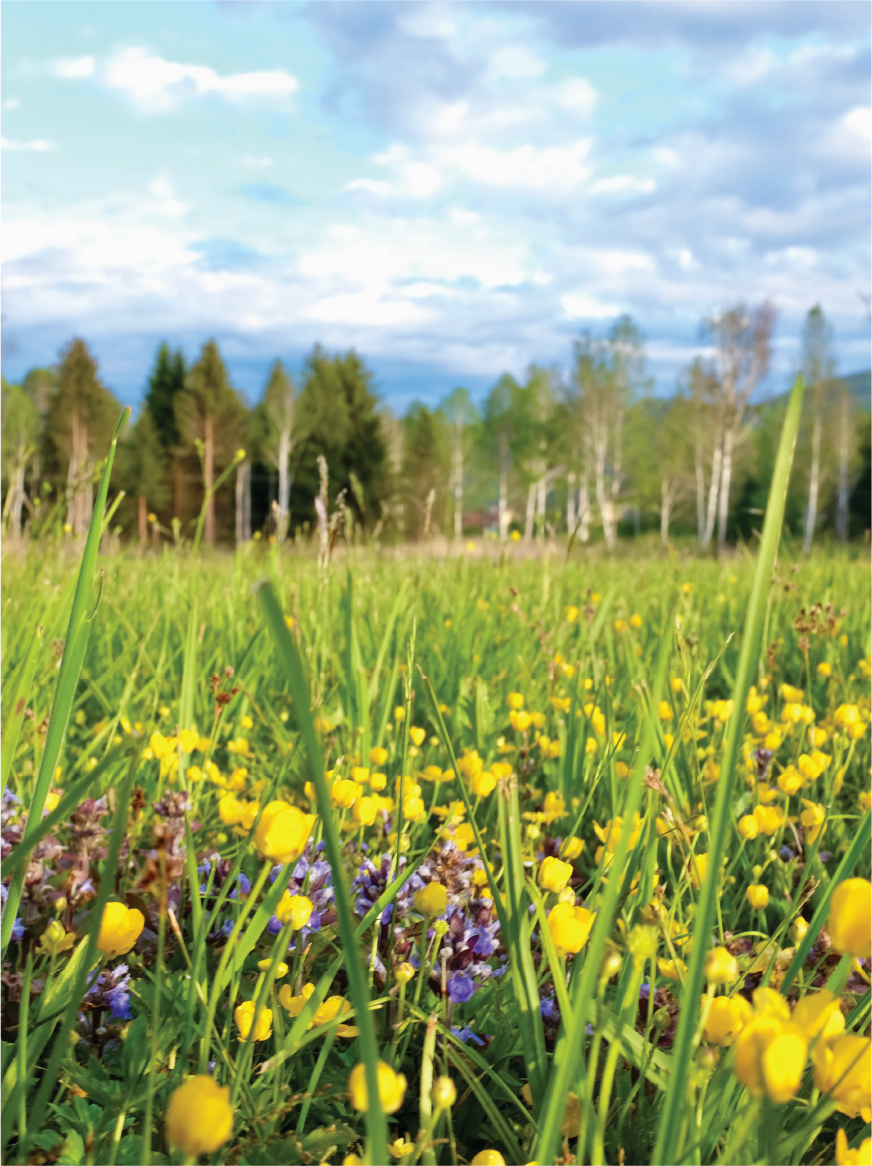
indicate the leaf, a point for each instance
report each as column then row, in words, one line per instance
column 73, row 1150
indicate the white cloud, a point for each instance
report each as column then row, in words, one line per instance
column 752, row 66
column 253, row 163
column 422, row 179
column 165, row 202
column 37, row 146
column 515, row 62
column 859, row 121
column 618, row 261
column 427, row 22
column 368, row 184
column 624, row 184
column 577, row 95
column 530, row 167
column 685, row 258
column 587, row 308
column 74, row 68
column 10, row 103
column 364, row 307
column 157, row 85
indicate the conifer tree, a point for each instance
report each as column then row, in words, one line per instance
column 80, row 420
column 142, row 470
column 209, row 414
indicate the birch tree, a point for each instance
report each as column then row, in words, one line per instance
column 462, row 415
column 20, row 427
column 279, row 415
column 818, row 369
column 742, row 343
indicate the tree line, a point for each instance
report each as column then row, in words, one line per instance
column 590, row 456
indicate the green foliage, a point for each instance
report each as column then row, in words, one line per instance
column 165, row 382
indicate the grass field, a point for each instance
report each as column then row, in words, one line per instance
column 566, row 862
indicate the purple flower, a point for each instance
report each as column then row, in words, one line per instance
column 465, row 1034
column 461, row 988
column 17, row 933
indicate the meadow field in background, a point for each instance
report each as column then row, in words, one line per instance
column 568, row 861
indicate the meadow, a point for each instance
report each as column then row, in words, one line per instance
column 562, row 860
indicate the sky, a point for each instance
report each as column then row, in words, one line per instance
column 455, row 190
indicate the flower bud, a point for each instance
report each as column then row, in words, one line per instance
column 444, row 1093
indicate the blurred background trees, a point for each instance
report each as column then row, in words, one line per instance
column 590, row 454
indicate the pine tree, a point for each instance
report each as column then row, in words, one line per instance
column 209, row 414
column 338, row 412
column 142, row 469
column 165, row 382
column 80, row 421
column 425, row 467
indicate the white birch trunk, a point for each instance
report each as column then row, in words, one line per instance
column 724, row 500
column 844, row 450
column 700, row 494
column 284, row 467
column 541, row 499
column 714, row 486
column 458, row 482
column 570, row 503
column 584, row 511
column 531, row 512
column 813, row 484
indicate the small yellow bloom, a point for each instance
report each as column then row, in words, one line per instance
column 244, row 1016
column 281, row 968
column 635, row 621
column 813, row 818
column 391, row 1088
column 664, row 710
column 573, row 848
column 571, row 614
column 671, row 969
column 515, row 701
column 722, row 710
column 444, row 1093
column 283, row 832
column 364, row 811
column 758, row 896
column 520, row 721
column 849, row 920
column 748, row 827
column 294, row 909
column 344, row 792
column 769, row 819
column 120, row 928
column 554, row 874
column 845, row 1156
column 819, row 1014
column 621, row 625
column 399, row 713
column 432, row 899
column 483, row 784
column 721, row 967
column 488, row 1158
column 199, row 1117
column 404, row 972
column 770, row 1058
column 824, row 669
column 417, row 735
column 570, row 927
column 676, row 684
column 727, row 1016
column 842, row 1069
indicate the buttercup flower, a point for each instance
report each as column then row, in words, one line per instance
column 721, row 967
column 488, row 1158
column 842, row 1069
column 444, row 1093
column 819, row 1015
column 283, row 832
column 758, row 896
column 770, row 1058
column 120, row 928
column 432, row 899
column 727, row 1016
column 554, row 874
column 244, row 1016
column 849, row 920
column 391, row 1088
column 862, row 1156
column 748, row 827
column 199, row 1117
column 294, row 909
column 570, row 927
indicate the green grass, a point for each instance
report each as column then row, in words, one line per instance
column 178, row 642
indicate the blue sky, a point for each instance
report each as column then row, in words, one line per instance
column 456, row 190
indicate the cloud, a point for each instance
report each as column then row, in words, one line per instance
column 623, row 184
column 576, row 95
column 546, row 168
column 365, row 307
column 859, row 122
column 586, row 307
column 73, row 68
column 37, row 146
column 262, row 163
column 157, row 85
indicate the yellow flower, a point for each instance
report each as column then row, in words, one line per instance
column 748, row 827
column 520, row 721
column 244, row 1015
column 378, row 755
column 849, row 921
column 598, row 721
column 862, row 1156
column 414, row 809
column 721, row 967
column 621, row 625
column 846, row 715
column 283, row 832
column 770, row 1058
column 240, row 746
column 857, row 730
column 360, row 774
column 378, row 781
column 664, row 710
column 199, row 1117
column 189, row 739
column 515, row 701
column 120, row 928
column 404, row 972
column 812, row 817
column 554, row 874
column 698, row 867
column 488, row 1158
column 754, row 702
column 573, row 848
column 824, row 669
column 790, row 781
column 444, row 1093
column 769, row 819
column 864, row 800
column 635, row 621
column 295, row 1004
column 417, row 735
column 722, row 710
column 294, row 909
column 671, row 969
column 842, row 1069
column 554, row 804
column 344, row 792
column 483, row 784
column 758, row 896
column 820, row 1014
column 561, row 703
column 571, row 614
column 817, row 737
column 790, row 693
column 570, row 927
column 281, row 968
column 676, row 684
column 159, row 745
column 399, row 713
column 391, row 1088
column 364, row 811
column 727, row 1016
column 432, row 899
